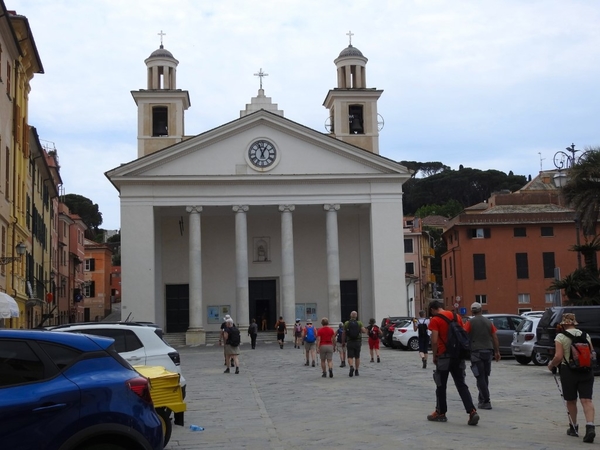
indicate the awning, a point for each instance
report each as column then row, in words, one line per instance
column 8, row 306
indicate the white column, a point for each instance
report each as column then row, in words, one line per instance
column 241, row 268
column 333, row 263
column 195, row 334
column 288, row 280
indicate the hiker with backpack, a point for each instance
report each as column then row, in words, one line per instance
column 449, row 341
column 374, row 334
column 484, row 348
column 232, row 339
column 326, row 346
column 575, row 356
column 281, row 331
column 421, row 326
column 222, row 340
column 309, row 337
column 297, row 334
column 253, row 333
column 352, row 337
column 340, row 345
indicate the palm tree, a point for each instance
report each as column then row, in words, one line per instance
column 582, row 191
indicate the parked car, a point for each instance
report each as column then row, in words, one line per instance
column 387, row 328
column 72, row 392
column 588, row 318
column 523, row 341
column 530, row 314
column 405, row 336
column 138, row 343
column 506, row 324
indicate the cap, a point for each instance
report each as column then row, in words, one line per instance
column 297, row 320
column 568, row 319
column 227, row 316
column 341, row 324
column 230, row 320
column 475, row 306
column 309, row 321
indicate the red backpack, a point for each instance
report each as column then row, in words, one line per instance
column 582, row 356
column 374, row 332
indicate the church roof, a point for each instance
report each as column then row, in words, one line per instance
column 351, row 51
column 161, row 53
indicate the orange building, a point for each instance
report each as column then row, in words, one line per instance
column 97, row 267
column 503, row 253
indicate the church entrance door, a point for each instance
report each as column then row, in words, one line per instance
column 178, row 307
column 262, row 303
column 349, row 298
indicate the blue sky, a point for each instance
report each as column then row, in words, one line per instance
column 486, row 84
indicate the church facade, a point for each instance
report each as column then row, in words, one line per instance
column 261, row 217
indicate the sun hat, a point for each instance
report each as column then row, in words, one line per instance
column 227, row 316
column 568, row 319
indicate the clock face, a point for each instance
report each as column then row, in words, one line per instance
column 262, row 154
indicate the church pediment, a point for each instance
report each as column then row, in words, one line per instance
column 263, row 145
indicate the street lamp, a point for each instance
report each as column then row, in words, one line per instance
column 564, row 161
column 20, row 248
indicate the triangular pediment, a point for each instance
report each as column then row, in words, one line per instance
column 223, row 152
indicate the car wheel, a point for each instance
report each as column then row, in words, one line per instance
column 539, row 359
column 167, row 425
column 413, row 344
column 523, row 360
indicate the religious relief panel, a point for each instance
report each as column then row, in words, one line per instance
column 262, row 249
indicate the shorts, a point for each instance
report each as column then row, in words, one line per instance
column 326, row 352
column 353, row 348
column 574, row 383
column 424, row 344
column 280, row 336
column 373, row 344
column 229, row 350
column 310, row 345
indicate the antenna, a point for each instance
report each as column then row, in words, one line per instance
column 541, row 159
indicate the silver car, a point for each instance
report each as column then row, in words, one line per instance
column 523, row 341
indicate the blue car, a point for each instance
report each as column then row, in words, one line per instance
column 63, row 391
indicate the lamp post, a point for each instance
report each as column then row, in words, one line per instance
column 563, row 162
column 20, row 248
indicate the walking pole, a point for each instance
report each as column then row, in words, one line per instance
column 564, row 402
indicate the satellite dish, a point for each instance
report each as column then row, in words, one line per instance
column 380, row 122
column 328, row 125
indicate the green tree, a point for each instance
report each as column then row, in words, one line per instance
column 86, row 209
column 582, row 190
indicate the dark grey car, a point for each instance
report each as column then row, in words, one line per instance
column 506, row 324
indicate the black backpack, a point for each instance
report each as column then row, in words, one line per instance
column 458, row 344
column 233, row 336
column 353, row 331
column 422, row 329
column 281, row 327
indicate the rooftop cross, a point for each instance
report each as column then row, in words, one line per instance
column 350, row 34
column 260, row 75
column 161, row 34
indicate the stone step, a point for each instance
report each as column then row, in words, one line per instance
column 212, row 338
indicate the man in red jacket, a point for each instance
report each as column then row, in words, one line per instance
column 445, row 365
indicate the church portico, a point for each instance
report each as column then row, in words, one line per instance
column 261, row 217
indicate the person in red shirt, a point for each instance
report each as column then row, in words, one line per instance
column 445, row 366
column 326, row 346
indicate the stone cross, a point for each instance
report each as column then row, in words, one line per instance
column 260, row 75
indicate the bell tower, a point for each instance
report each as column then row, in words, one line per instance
column 352, row 106
column 161, row 106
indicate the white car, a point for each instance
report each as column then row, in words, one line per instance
column 139, row 344
column 523, row 341
column 405, row 336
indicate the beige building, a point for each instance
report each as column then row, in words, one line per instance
column 262, row 216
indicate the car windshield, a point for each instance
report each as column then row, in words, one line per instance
column 403, row 323
column 525, row 326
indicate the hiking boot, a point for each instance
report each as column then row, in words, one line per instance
column 232, row 363
column 424, row 363
column 437, row 417
column 324, row 375
column 590, row 433
column 473, row 418
column 330, row 373
column 306, row 363
column 342, row 364
column 573, row 430
column 226, row 370
column 356, row 373
column 313, row 364
column 237, row 370
column 351, row 374
column 372, row 360
column 484, row 405
column 378, row 360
